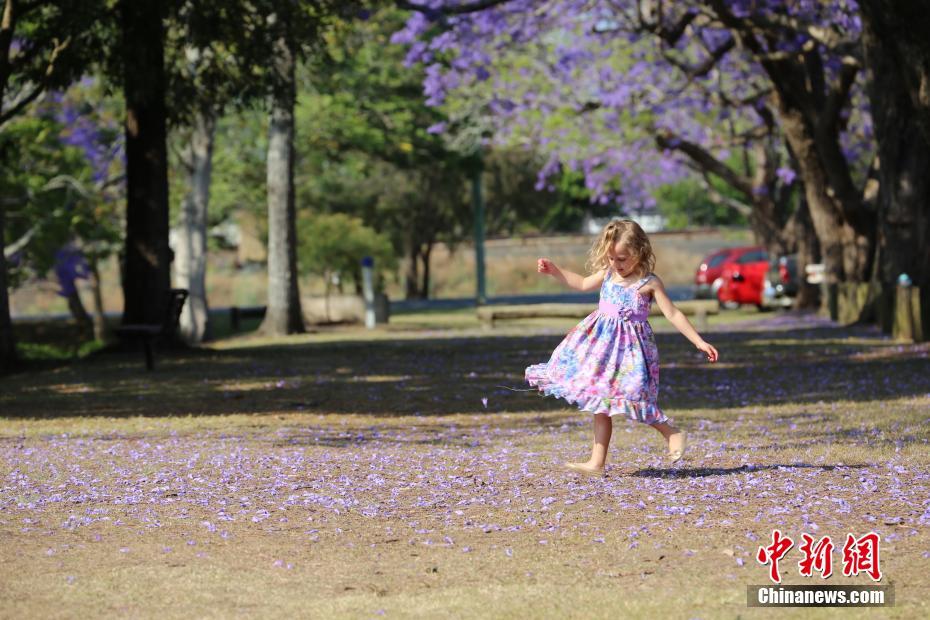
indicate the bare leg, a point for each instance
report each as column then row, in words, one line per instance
column 603, row 428
column 674, row 437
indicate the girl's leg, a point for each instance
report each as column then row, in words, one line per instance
column 674, row 437
column 603, row 428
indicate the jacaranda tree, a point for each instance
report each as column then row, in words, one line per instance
column 777, row 85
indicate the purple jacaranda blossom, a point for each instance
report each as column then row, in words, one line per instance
column 787, row 175
column 576, row 77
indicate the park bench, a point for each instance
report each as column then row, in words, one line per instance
column 149, row 334
column 489, row 315
column 236, row 314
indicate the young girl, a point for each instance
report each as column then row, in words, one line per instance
column 608, row 364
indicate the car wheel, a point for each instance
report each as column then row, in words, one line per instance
column 727, row 305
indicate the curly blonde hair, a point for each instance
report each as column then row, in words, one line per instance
column 630, row 236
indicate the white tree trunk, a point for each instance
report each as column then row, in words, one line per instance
column 7, row 344
column 190, row 261
column 283, row 315
column 101, row 332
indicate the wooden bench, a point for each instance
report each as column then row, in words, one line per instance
column 149, row 334
column 489, row 315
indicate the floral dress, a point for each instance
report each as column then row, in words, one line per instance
column 609, row 362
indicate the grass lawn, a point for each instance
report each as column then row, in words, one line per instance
column 396, row 473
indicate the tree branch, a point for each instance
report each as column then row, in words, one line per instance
column 669, row 34
column 749, row 136
column 870, row 186
column 777, row 23
column 461, row 9
column 740, row 207
column 21, row 103
column 702, row 69
column 666, row 140
column 7, row 25
column 49, row 70
column 12, row 248
column 838, row 96
column 673, row 34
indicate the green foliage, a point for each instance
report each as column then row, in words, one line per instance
column 365, row 148
column 240, row 152
column 686, row 204
column 51, row 44
column 58, row 352
column 335, row 243
column 239, row 171
column 59, row 179
column 40, row 188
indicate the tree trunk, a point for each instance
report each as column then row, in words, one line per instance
column 79, row 314
column 810, row 117
column 846, row 248
column 327, row 285
column 804, row 240
column 191, row 254
column 7, row 343
column 412, row 277
column 760, row 206
column 147, row 254
column 283, row 315
column 427, row 251
column 903, row 26
column 903, row 147
column 101, row 332
column 768, row 215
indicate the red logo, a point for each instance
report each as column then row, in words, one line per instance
column 773, row 553
column 861, row 556
column 817, row 557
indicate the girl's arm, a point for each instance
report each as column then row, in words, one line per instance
column 569, row 278
column 677, row 317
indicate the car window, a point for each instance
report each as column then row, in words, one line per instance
column 717, row 260
column 752, row 257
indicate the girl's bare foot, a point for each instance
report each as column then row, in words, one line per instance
column 585, row 468
column 676, row 446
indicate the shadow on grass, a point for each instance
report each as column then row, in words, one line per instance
column 435, row 376
column 703, row 472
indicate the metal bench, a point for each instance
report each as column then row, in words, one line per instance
column 149, row 334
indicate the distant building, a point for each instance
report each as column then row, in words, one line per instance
column 650, row 221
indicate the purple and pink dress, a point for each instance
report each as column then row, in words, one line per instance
column 609, row 362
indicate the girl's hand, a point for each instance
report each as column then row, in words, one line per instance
column 544, row 265
column 709, row 350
